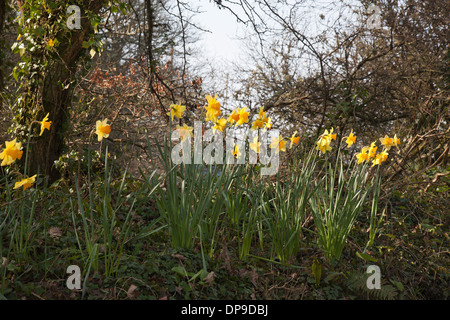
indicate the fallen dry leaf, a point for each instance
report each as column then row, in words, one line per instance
column 55, row 232
column 131, row 293
column 209, row 278
column 179, row 256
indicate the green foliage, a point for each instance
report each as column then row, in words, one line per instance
column 284, row 212
column 337, row 204
column 191, row 201
column 357, row 282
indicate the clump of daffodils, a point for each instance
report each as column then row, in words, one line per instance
column 13, row 151
column 323, row 144
column 369, row 153
column 240, row 116
column 262, row 121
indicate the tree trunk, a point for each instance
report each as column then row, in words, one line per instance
column 55, row 94
column 2, row 22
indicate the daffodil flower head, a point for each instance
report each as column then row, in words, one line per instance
column 220, row 125
column 257, row 124
column 243, row 116
column 103, row 129
column 261, row 121
column 176, row 110
column 380, row 157
column 234, row 117
column 332, row 135
column 11, row 153
column 351, row 139
column 372, row 150
column 294, row 139
column 387, row 142
column 268, row 123
column 45, row 124
column 184, row 131
column 323, row 144
column 278, row 144
column 396, row 141
column 363, row 155
column 237, row 152
column 25, row 183
column 255, row 144
column 212, row 109
column 240, row 116
column 262, row 113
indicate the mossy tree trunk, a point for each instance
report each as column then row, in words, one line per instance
column 55, row 94
column 2, row 23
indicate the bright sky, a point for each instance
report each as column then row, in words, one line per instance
column 221, row 44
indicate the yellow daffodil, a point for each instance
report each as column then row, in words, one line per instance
column 234, row 117
column 323, row 144
column 257, row 124
column 255, row 144
column 26, row 183
column 51, row 43
column 262, row 114
column 237, row 153
column 294, row 139
column 212, row 109
column 220, row 125
column 243, row 116
column 239, row 116
column 363, row 155
column 331, row 135
column 45, row 124
column 184, row 131
column 351, row 139
column 380, row 157
column 278, row 144
column 372, row 150
column 103, row 129
column 268, row 123
column 261, row 121
column 387, row 142
column 11, row 153
column 176, row 110
column 396, row 141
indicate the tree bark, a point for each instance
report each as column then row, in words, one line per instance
column 2, row 23
column 55, row 94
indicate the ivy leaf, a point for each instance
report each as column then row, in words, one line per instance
column 21, row 49
column 180, row 270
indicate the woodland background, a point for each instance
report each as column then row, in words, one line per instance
column 312, row 65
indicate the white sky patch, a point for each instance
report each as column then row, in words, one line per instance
column 221, row 43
